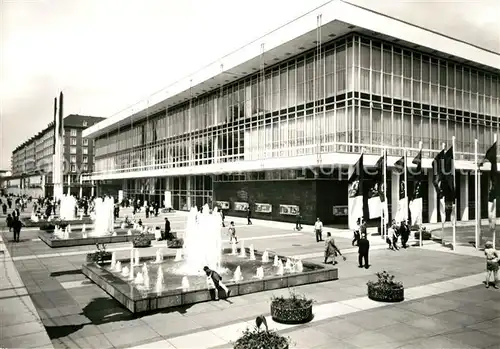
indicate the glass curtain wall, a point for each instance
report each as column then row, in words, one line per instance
column 358, row 91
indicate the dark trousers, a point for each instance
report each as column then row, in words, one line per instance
column 249, row 221
column 319, row 235
column 363, row 256
column 298, row 226
column 404, row 240
column 16, row 235
column 395, row 243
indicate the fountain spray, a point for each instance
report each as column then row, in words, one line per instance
column 159, row 280
column 243, row 252
column 252, row 253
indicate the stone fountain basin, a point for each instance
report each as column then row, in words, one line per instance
column 76, row 239
column 30, row 224
column 137, row 300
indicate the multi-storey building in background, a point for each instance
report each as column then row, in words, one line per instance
column 276, row 123
column 32, row 160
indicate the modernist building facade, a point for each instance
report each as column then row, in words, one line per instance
column 277, row 124
column 32, row 161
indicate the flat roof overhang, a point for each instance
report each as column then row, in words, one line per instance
column 298, row 36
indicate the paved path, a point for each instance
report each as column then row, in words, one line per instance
column 445, row 299
column 21, row 326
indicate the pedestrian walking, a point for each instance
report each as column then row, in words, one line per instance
column 331, row 250
column 363, row 249
column 318, row 229
column 232, row 232
column 249, row 215
column 298, row 221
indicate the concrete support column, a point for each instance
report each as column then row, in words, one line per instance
column 394, row 193
column 464, row 197
column 432, row 200
column 215, row 143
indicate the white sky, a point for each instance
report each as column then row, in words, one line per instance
column 108, row 54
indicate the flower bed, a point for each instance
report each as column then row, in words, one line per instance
column 52, row 225
column 291, row 310
column 175, row 243
column 426, row 235
column 100, row 256
column 141, row 240
column 257, row 339
column 385, row 289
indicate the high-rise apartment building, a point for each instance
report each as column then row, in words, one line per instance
column 32, row 161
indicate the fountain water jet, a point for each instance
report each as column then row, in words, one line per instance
column 185, row 283
column 234, row 251
column 125, row 271
column 265, row 257
column 276, row 261
column 137, row 259
column 237, row 274
column 281, row 270
column 252, row 253
column 202, row 242
column 243, row 252
column 118, row 267
column 260, row 273
column 67, row 208
column 113, row 260
column 104, row 219
column 139, row 279
column 159, row 280
column 159, row 256
column 299, row 267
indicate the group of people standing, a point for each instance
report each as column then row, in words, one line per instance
column 396, row 231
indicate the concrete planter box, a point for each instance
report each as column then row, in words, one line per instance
column 143, row 301
column 384, row 294
column 121, row 236
column 291, row 315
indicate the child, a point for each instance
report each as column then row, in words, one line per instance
column 491, row 264
column 232, row 232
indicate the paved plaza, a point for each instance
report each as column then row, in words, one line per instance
column 446, row 305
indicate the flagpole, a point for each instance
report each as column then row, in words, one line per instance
column 382, row 216
column 443, row 219
column 454, row 207
column 420, row 146
column 495, row 203
column 407, row 208
column 386, row 204
column 476, row 194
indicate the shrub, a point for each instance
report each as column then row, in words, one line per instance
column 175, row 243
column 261, row 339
column 426, row 235
column 291, row 310
column 385, row 289
column 141, row 240
column 100, row 255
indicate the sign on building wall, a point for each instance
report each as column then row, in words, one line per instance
column 241, row 206
column 263, row 208
column 341, row 210
column 290, row 210
column 222, row 204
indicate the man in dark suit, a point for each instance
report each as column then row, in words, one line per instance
column 363, row 249
column 405, row 233
column 166, row 233
column 16, row 227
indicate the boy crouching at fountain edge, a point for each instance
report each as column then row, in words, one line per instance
column 216, row 279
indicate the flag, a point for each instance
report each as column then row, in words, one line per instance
column 416, row 204
column 449, row 175
column 376, row 194
column 355, row 203
column 401, row 213
column 437, row 181
column 491, row 156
